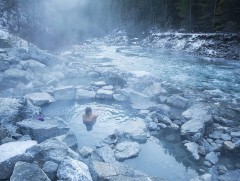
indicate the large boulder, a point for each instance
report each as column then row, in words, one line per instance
column 104, row 94
column 11, row 153
column 41, row 131
column 71, row 169
column 135, row 130
column 40, row 98
column 83, row 94
column 11, row 110
column 51, row 150
column 25, row 171
column 198, row 115
column 177, row 101
column 232, row 175
column 126, row 150
column 33, row 65
column 64, row 93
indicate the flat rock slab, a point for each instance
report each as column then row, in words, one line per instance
column 25, row 171
column 11, row 153
column 41, row 131
column 107, row 154
column 83, row 94
column 126, row 150
column 40, row 98
column 193, row 149
column 71, row 169
column 64, row 93
column 212, row 157
column 137, row 130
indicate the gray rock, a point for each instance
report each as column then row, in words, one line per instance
column 40, row 98
column 71, row 169
column 33, row 65
column 64, row 93
column 10, row 156
column 10, row 110
column 136, row 130
column 50, row 169
column 120, row 97
column 107, row 171
column 177, row 101
column 152, row 126
column 4, row 65
column 232, row 175
column 41, row 131
column 235, row 134
column 104, row 94
column 106, row 154
column 199, row 115
column 69, row 139
column 25, row 171
column 126, row 150
column 15, row 74
column 51, row 150
column 86, row 151
column 83, row 94
column 229, row 145
column 212, row 157
column 193, row 149
column 4, row 133
column 226, row 137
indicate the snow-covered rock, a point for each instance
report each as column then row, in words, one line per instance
column 136, row 130
column 40, row 98
column 11, row 153
column 104, row 94
column 71, row 169
column 126, row 150
column 192, row 147
column 83, row 94
column 15, row 74
column 33, row 65
column 177, row 101
column 10, row 110
column 64, row 93
column 26, row 171
column 51, row 150
column 41, row 131
column 50, row 169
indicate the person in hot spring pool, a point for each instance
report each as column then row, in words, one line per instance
column 89, row 119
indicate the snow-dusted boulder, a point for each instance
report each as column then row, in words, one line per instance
column 64, row 93
column 10, row 110
column 33, row 65
column 15, row 74
column 106, row 154
column 11, row 153
column 40, row 98
column 50, row 169
column 25, row 171
column 71, row 169
column 51, row 150
column 198, row 115
column 126, row 150
column 41, row 131
column 177, row 101
column 136, row 130
column 193, row 149
column 83, row 94
column 104, row 94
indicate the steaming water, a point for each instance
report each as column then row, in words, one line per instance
column 188, row 73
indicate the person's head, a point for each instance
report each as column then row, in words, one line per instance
column 88, row 111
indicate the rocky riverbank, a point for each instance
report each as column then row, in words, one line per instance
column 212, row 45
column 32, row 78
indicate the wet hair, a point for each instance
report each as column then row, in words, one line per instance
column 88, row 110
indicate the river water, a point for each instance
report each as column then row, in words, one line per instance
column 190, row 74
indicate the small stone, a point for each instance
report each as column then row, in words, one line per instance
column 229, row 145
